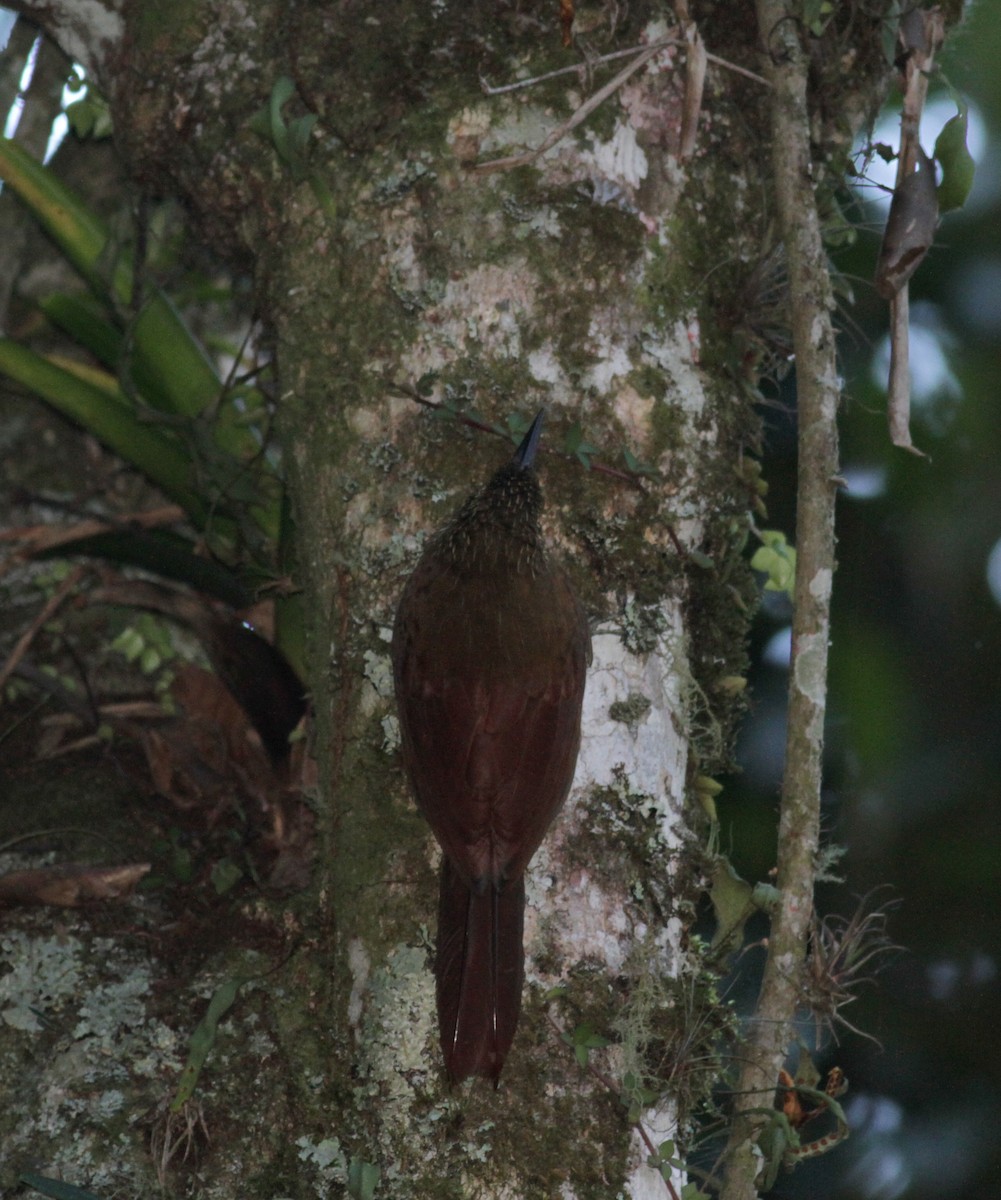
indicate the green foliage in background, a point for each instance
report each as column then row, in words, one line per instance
column 154, row 397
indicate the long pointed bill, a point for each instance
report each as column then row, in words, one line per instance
column 524, row 456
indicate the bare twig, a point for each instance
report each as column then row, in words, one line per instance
column 581, row 114
column 46, row 613
column 661, row 43
column 576, row 69
column 598, row 468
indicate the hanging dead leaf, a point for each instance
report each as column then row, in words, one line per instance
column 910, row 228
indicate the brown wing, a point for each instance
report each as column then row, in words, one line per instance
column 490, row 714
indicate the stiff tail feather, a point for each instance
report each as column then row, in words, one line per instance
column 479, row 969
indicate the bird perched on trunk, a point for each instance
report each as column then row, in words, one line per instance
column 490, row 649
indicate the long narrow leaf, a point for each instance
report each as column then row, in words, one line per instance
column 162, row 553
column 168, row 366
column 56, row 1188
column 188, row 379
column 203, row 1039
column 83, row 318
column 94, row 401
column 86, row 322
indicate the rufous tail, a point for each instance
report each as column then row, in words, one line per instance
column 479, row 969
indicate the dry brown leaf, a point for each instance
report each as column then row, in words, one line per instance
column 910, row 228
column 70, row 885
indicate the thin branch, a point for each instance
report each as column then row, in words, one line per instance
column 576, row 69
column 811, row 304
column 581, row 114
column 520, row 84
column 47, row 612
column 598, row 468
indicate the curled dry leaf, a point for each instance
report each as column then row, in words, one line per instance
column 70, row 884
column 910, row 228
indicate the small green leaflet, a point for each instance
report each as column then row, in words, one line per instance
column 574, row 443
column 583, row 1040
column 953, row 155
column 816, row 14
column 203, row 1039
column 363, row 1179
column 637, row 467
column 777, row 559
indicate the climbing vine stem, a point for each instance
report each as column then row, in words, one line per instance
column 811, row 304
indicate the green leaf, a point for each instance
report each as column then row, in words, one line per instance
column 888, row 35
column 55, row 1188
column 363, row 1179
column 167, row 365
column 583, row 1039
column 517, row 426
column 766, row 897
column 732, row 901
column 699, row 559
column 225, row 876
column 203, row 1039
column 636, row 1097
column 692, row 1191
column 816, row 14
column 574, row 443
column 90, row 116
column 163, row 553
column 636, row 467
column 954, row 157
column 95, row 401
column 189, row 378
column 299, row 131
column 777, row 559
column 290, row 138
column 150, row 660
column 181, row 864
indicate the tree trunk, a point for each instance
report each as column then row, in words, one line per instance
column 632, row 295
